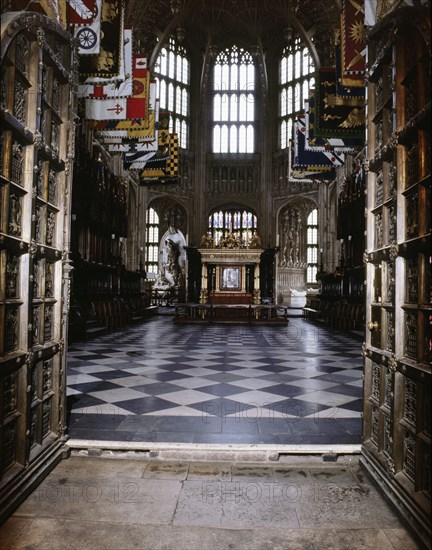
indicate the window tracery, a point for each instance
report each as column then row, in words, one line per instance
column 296, row 70
column 172, row 71
column 241, row 224
column 234, row 102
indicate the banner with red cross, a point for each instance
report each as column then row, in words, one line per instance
column 102, row 107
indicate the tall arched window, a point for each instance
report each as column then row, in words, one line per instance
column 312, row 247
column 172, row 74
column 296, row 77
column 152, row 241
column 234, row 102
column 241, row 223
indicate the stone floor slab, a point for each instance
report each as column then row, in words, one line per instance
column 125, row 500
column 94, row 503
column 157, row 469
column 52, row 534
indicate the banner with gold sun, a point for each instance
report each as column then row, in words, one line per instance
column 336, row 116
column 353, row 38
column 346, row 86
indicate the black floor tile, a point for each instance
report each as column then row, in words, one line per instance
column 356, row 405
column 222, row 390
column 145, row 405
column 344, row 389
column 113, row 373
column 353, row 426
column 157, row 388
column 97, row 385
column 241, row 425
column 82, row 400
column 295, row 408
column 286, row 390
column 167, row 376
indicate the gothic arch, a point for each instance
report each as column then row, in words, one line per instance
column 291, row 259
column 171, row 214
column 304, row 204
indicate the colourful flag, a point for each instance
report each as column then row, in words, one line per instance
column 107, row 63
column 131, row 146
column 314, row 143
column 136, row 160
column 347, row 86
column 88, row 34
column 320, row 161
column 134, row 127
column 164, row 165
column 335, row 116
column 124, row 143
column 136, row 105
column 353, row 38
column 81, row 12
column 117, row 86
column 102, row 107
column 301, row 175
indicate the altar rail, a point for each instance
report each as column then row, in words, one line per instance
column 235, row 314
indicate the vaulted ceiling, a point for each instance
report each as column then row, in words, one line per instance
column 200, row 22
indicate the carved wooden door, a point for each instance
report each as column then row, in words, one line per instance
column 35, row 178
column 397, row 351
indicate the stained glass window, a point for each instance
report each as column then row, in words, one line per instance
column 240, row 223
column 312, row 247
column 172, row 76
column 152, row 241
column 234, row 102
column 296, row 78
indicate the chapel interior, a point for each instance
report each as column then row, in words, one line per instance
column 217, row 205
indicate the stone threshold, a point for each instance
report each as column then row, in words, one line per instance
column 210, row 452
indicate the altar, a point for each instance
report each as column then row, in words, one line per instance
column 230, row 275
column 263, row 314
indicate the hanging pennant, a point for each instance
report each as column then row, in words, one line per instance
column 163, row 167
column 320, row 161
column 335, row 116
column 107, row 63
column 102, row 107
column 138, row 159
column 81, row 12
column 118, row 86
column 144, row 129
column 347, row 86
column 88, row 34
column 314, row 143
column 353, row 38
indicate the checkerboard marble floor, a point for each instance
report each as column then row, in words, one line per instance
column 162, row 382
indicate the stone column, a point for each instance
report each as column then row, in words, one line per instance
column 256, row 292
column 204, row 292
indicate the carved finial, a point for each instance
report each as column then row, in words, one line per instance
column 392, row 363
column 394, row 251
column 40, row 35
